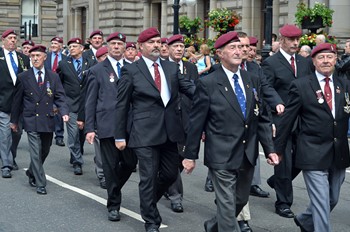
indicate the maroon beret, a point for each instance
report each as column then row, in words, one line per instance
column 175, row 38
column 101, row 51
column 97, row 32
column 148, row 34
column 38, row 48
column 324, row 47
column 290, row 31
column 253, row 41
column 8, row 32
column 75, row 40
column 57, row 39
column 163, row 40
column 130, row 45
column 116, row 35
column 28, row 42
column 225, row 39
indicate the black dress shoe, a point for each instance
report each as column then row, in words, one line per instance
column 41, row 190
column 31, row 179
column 6, row 173
column 244, row 226
column 14, row 166
column 270, row 182
column 59, row 142
column 114, row 215
column 255, row 190
column 285, row 212
column 103, row 183
column 296, row 221
column 209, row 185
column 77, row 169
column 177, row 207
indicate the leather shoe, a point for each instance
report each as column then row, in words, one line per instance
column 296, row 221
column 31, row 179
column 270, row 182
column 41, row 190
column 255, row 190
column 177, row 207
column 77, row 169
column 14, row 166
column 114, row 215
column 152, row 230
column 6, row 173
column 59, row 142
column 285, row 212
column 103, row 183
column 244, row 226
column 209, row 185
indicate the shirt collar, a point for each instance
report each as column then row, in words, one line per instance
column 286, row 55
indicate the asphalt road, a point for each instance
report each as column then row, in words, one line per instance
column 77, row 203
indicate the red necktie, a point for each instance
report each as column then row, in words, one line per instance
column 242, row 66
column 157, row 76
column 40, row 80
column 328, row 93
column 292, row 64
column 55, row 63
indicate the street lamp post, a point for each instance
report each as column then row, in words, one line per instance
column 176, row 8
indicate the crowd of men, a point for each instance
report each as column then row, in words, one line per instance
column 143, row 104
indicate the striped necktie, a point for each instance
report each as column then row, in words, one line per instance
column 13, row 63
column 239, row 94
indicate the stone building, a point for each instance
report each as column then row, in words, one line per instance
column 77, row 18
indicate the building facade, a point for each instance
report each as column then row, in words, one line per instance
column 77, row 18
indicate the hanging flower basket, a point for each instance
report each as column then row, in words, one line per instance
column 223, row 20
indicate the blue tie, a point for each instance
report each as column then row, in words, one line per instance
column 119, row 70
column 240, row 95
column 79, row 69
column 13, row 63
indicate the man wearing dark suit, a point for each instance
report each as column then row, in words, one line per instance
column 72, row 74
column 150, row 86
column 189, row 71
column 280, row 70
column 227, row 106
column 96, row 41
column 100, row 112
column 11, row 64
column 322, row 102
column 53, row 58
column 36, row 91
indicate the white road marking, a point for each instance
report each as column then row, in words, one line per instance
column 97, row 198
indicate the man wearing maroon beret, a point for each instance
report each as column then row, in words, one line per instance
column 164, row 49
column 321, row 101
column 54, row 56
column 150, row 87
column 36, row 91
column 280, row 70
column 100, row 120
column 130, row 53
column 96, row 41
column 72, row 73
column 11, row 64
column 228, row 106
column 26, row 46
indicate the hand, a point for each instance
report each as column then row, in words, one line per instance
column 55, row 110
column 273, row 159
column 120, row 145
column 90, row 137
column 189, row 165
column 280, row 109
column 273, row 130
column 65, row 118
column 203, row 137
column 13, row 127
column 80, row 125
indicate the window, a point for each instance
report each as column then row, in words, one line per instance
column 30, row 9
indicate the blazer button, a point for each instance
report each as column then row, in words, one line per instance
column 37, row 115
column 243, row 142
column 37, row 103
column 246, row 126
column 335, row 139
column 47, row 103
column 335, row 123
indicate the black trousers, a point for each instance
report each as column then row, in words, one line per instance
column 158, row 169
column 117, row 167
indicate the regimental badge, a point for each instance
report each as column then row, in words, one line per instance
column 347, row 100
column 185, row 70
column 226, row 89
column 48, row 89
column 256, row 110
column 255, row 95
column 111, row 77
column 319, row 96
column 337, row 90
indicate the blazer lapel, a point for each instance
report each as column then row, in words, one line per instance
column 315, row 85
column 248, row 91
column 168, row 79
column 71, row 66
column 141, row 64
column 285, row 62
column 339, row 95
column 226, row 90
column 33, row 82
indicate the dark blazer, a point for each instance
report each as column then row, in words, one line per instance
column 48, row 60
column 89, row 54
column 6, row 84
column 322, row 140
column 229, row 136
column 74, row 88
column 36, row 104
column 101, row 99
column 152, row 122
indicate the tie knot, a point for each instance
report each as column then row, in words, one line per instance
column 40, row 72
column 10, row 53
column 155, row 64
column 78, row 61
column 118, row 64
column 326, row 79
column 235, row 77
column 292, row 58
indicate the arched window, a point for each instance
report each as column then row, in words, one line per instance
column 30, row 9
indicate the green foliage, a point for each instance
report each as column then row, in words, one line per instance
column 319, row 10
column 187, row 23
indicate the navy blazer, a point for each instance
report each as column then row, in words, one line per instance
column 37, row 104
column 152, row 122
column 48, row 60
